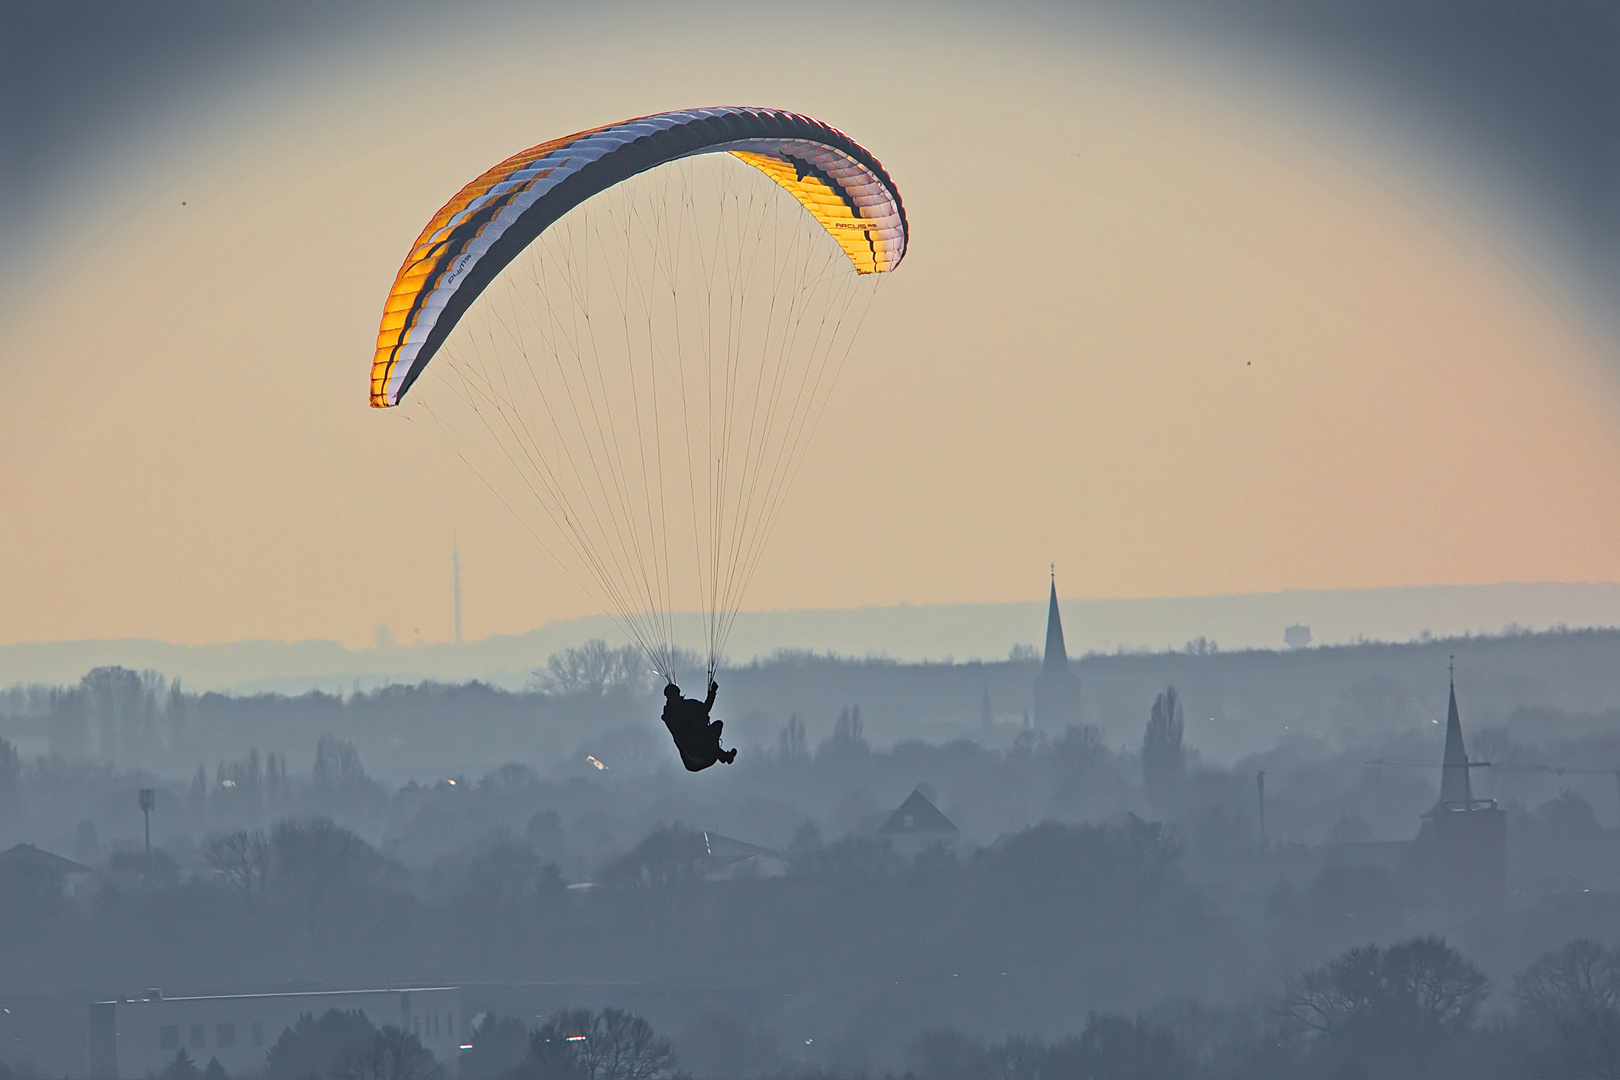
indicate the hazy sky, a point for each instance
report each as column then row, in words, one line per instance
column 1175, row 315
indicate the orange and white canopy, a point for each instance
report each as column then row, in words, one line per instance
column 491, row 220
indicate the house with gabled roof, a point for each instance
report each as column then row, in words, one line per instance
column 40, row 872
column 917, row 823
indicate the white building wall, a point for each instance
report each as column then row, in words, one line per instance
column 239, row 1030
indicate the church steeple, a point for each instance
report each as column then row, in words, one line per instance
column 1057, row 690
column 1466, row 837
column 1057, row 656
column 1454, row 786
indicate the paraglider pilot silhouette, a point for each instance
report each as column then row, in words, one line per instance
column 498, row 399
column 696, row 736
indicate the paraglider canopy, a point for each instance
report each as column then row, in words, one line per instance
column 491, row 220
column 629, row 331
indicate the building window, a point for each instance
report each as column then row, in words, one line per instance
column 197, row 1040
column 224, row 1035
column 169, row 1037
column 258, row 1033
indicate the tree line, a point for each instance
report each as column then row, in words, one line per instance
column 1407, row 1011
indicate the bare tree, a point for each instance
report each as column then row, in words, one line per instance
column 592, row 670
column 1082, row 749
column 337, row 767
column 850, row 727
column 791, row 742
column 1572, row 996
column 242, row 859
column 609, row 1045
column 277, row 788
column 241, row 783
column 498, row 1043
column 1113, row 1044
column 946, row 1052
column 623, row 1046
column 1386, row 1012
column 1017, row 1058
column 848, row 741
column 392, row 1054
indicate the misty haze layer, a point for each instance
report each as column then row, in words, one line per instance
column 1528, row 88
column 866, row 891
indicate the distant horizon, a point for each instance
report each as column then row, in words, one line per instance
column 467, row 640
column 905, row 633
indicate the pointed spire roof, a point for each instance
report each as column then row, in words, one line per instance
column 1057, row 688
column 1454, row 786
column 1057, row 656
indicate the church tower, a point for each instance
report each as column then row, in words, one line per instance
column 1057, row 689
column 1456, row 793
column 1467, row 836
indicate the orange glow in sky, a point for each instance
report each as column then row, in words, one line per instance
column 1168, row 329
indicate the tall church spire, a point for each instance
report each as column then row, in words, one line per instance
column 1057, row 690
column 1057, row 656
column 1466, row 837
column 1454, row 786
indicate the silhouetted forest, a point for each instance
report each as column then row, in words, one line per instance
column 1109, row 908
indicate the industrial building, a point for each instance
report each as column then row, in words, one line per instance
column 137, row 1037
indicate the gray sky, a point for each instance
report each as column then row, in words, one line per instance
column 1530, row 90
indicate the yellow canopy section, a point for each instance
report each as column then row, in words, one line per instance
column 854, row 234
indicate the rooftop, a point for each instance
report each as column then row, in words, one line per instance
column 28, row 859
